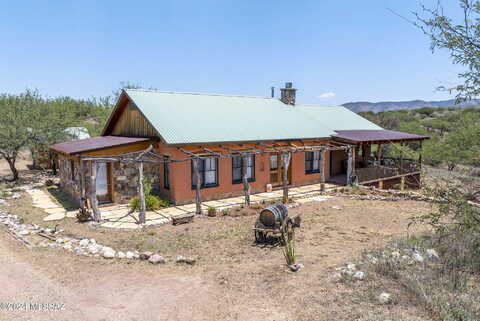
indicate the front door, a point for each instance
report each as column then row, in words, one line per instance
column 103, row 183
column 276, row 169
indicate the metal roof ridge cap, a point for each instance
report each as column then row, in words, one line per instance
column 198, row 93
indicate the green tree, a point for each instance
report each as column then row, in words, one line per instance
column 15, row 125
column 461, row 38
column 30, row 121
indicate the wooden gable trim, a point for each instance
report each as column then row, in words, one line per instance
column 122, row 105
column 115, row 114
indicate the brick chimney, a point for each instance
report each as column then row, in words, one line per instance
column 288, row 94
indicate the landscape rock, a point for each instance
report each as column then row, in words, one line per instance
column 296, row 267
column 359, row 275
column 93, row 249
column 24, row 232
column 156, row 259
column 145, row 255
column 432, row 254
column 384, row 298
column 396, row 254
column 121, row 255
column 16, row 196
column 84, row 242
column 108, row 253
column 180, row 259
column 418, row 257
column 351, row 266
column 190, row 260
column 130, row 255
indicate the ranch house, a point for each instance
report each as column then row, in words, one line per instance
column 221, row 146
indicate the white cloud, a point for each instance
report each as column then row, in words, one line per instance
column 327, row 95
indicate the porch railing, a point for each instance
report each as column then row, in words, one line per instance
column 387, row 167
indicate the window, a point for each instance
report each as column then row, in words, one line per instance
column 208, row 173
column 166, row 172
column 273, row 161
column 237, row 169
column 72, row 169
column 312, row 162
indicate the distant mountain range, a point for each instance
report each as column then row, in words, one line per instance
column 412, row 104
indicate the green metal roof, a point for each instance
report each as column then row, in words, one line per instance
column 338, row 117
column 183, row 118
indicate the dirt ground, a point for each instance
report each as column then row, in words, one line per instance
column 234, row 279
column 24, row 159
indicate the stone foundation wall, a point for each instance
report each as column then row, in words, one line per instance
column 72, row 187
column 124, row 179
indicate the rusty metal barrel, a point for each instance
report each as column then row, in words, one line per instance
column 273, row 214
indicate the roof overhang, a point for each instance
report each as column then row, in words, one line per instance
column 376, row 136
column 82, row 146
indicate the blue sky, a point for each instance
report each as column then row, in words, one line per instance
column 333, row 51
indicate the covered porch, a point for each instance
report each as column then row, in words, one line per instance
column 380, row 158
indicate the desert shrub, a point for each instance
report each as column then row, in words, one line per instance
column 152, row 202
column 450, row 287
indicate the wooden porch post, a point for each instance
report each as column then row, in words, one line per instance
column 402, row 145
column 420, row 165
column 286, row 162
column 246, row 186
column 141, row 195
column 420, row 156
column 379, row 153
column 350, row 165
column 81, row 169
column 53, row 160
column 93, row 192
column 322, row 170
column 196, row 177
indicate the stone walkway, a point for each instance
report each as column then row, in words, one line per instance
column 118, row 216
column 43, row 200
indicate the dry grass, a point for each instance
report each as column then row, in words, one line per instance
column 253, row 281
column 449, row 287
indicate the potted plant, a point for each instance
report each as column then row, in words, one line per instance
column 212, row 211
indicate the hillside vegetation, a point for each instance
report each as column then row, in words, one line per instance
column 365, row 106
column 454, row 133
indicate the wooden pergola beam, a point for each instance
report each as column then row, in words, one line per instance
column 286, row 161
column 141, row 194
column 322, row 171
column 350, row 165
column 246, row 186
column 196, row 173
column 93, row 193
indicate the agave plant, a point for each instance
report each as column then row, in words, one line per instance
column 288, row 241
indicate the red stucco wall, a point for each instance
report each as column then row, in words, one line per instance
column 181, row 191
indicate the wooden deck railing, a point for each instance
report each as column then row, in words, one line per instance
column 388, row 167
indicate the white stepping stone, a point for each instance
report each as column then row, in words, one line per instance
column 54, row 217
column 55, row 210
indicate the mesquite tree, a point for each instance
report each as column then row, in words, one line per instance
column 15, row 119
column 461, row 38
column 30, row 121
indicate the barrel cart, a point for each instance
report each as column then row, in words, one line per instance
column 272, row 221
